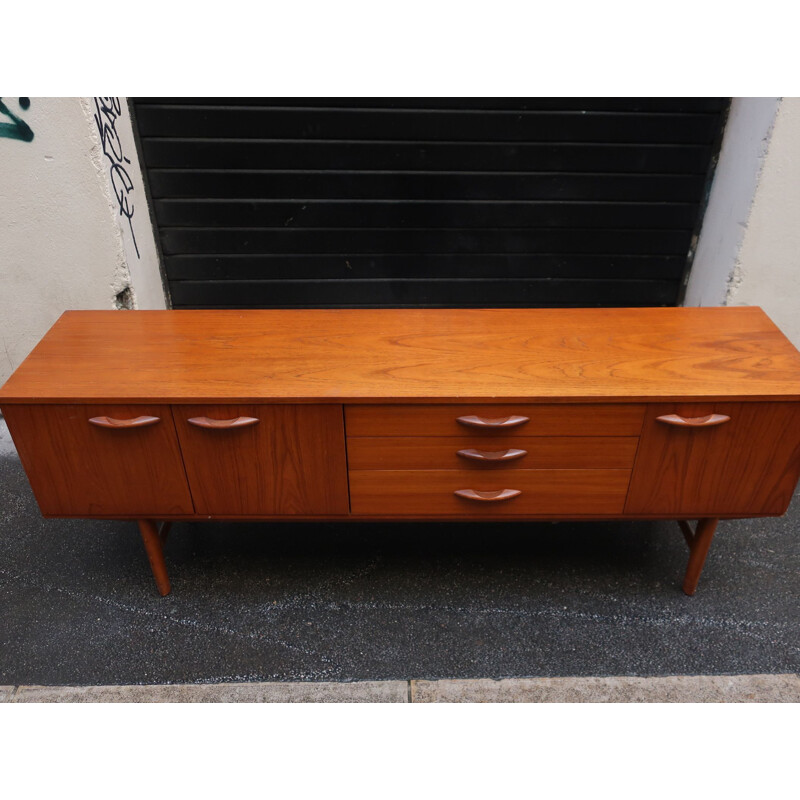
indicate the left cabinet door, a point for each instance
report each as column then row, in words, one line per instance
column 101, row 460
column 264, row 460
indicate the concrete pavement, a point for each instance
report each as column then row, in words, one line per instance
column 673, row 689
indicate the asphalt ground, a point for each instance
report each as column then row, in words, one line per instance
column 258, row 602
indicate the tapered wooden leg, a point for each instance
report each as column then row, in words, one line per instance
column 698, row 550
column 155, row 553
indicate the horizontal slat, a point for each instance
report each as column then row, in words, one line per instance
column 446, row 293
column 386, row 124
column 433, row 156
column 415, row 241
column 298, row 267
column 428, row 186
column 664, row 104
column 453, row 214
column 441, row 452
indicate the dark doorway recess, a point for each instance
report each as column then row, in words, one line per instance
column 303, row 202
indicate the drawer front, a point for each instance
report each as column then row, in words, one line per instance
column 746, row 464
column 264, row 459
column 101, row 460
column 492, row 419
column 432, row 492
column 495, row 453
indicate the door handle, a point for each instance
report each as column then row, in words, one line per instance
column 708, row 421
column 222, row 424
column 135, row 422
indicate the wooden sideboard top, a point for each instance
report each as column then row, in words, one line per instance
column 409, row 355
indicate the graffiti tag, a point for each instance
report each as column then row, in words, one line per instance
column 107, row 111
column 17, row 128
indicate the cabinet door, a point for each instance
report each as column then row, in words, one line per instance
column 747, row 465
column 101, row 460
column 264, row 459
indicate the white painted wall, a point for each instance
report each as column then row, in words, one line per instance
column 125, row 189
column 767, row 273
column 61, row 243
column 748, row 252
column 744, row 146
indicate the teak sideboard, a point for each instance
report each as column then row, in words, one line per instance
column 410, row 414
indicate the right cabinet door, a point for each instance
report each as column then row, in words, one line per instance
column 687, row 466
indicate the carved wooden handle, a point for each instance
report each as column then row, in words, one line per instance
column 503, row 422
column 136, row 422
column 222, row 424
column 487, row 455
column 708, row 421
column 488, row 497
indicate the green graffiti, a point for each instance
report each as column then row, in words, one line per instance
column 16, row 129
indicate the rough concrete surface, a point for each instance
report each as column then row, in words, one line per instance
column 741, row 159
column 674, row 689
column 260, row 602
column 65, row 242
column 766, row 271
column 360, row 692
column 61, row 246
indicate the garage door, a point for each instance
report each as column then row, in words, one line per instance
column 532, row 202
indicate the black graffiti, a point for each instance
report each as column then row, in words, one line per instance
column 107, row 111
column 17, row 128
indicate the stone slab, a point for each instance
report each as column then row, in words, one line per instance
column 675, row 689
column 358, row 692
column 5, row 693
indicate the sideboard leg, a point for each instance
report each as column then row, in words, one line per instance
column 699, row 546
column 155, row 553
column 163, row 531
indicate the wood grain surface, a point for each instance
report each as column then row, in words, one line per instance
column 543, row 420
column 749, row 465
column 76, row 468
column 441, row 452
column 431, row 492
column 413, row 355
column 291, row 462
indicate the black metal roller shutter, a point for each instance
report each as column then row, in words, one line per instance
column 427, row 201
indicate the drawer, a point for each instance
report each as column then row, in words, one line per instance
column 432, row 492
column 480, row 419
column 101, row 460
column 499, row 452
